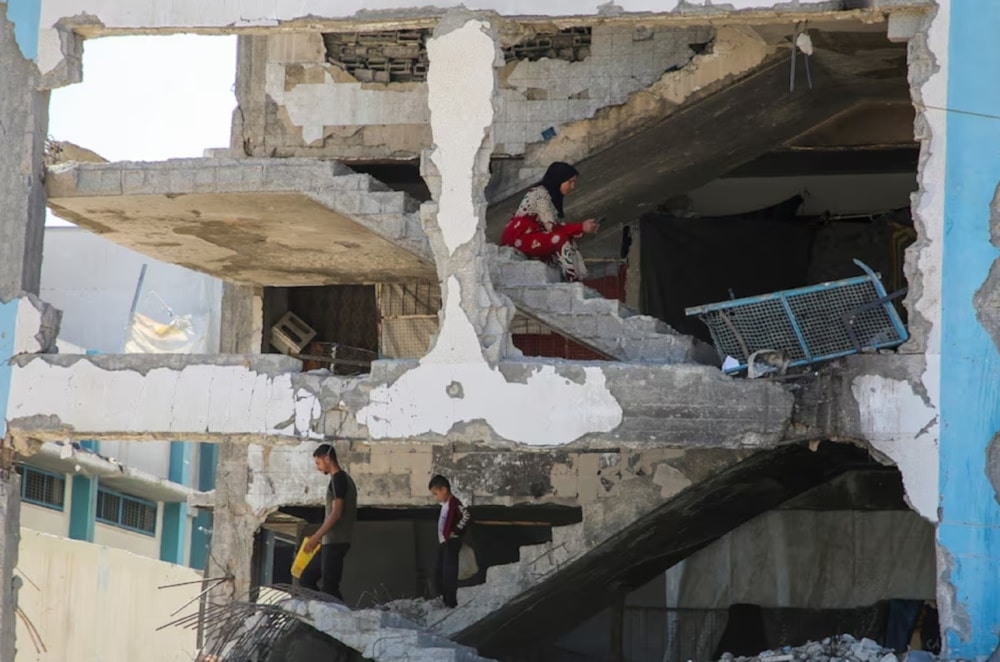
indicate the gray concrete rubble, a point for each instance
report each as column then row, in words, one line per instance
column 844, row 647
column 381, row 636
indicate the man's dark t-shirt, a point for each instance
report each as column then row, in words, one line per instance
column 341, row 487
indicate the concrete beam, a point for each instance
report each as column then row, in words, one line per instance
column 263, row 399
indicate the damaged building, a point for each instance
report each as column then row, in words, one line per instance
column 766, row 416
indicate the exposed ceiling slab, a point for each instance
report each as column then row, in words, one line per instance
column 246, row 223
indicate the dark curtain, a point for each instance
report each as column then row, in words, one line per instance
column 694, row 261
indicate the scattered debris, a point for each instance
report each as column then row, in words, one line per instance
column 842, row 648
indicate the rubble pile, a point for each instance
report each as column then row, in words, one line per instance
column 842, row 648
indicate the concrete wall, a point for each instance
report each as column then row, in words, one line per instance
column 321, row 109
column 46, row 520
column 812, row 559
column 130, row 541
column 251, row 14
column 97, row 603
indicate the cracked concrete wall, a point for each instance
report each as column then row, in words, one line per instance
column 315, row 108
column 458, row 381
column 264, row 400
column 879, row 402
column 196, row 397
column 397, row 474
column 23, row 125
column 734, row 50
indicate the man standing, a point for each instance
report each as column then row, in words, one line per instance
column 338, row 525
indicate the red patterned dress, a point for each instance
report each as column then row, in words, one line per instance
column 536, row 230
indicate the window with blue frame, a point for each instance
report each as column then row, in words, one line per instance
column 127, row 512
column 42, row 488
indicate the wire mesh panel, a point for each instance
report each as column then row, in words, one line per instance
column 808, row 324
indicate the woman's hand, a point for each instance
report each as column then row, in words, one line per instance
column 590, row 226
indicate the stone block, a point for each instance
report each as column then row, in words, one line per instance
column 204, row 180
column 564, row 485
column 252, row 178
column 99, row 181
column 286, row 177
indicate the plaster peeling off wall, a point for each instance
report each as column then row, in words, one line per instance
column 315, row 106
column 321, row 100
column 898, row 422
column 120, row 396
column 454, row 384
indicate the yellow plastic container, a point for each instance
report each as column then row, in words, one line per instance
column 302, row 559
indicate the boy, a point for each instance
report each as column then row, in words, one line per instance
column 338, row 525
column 452, row 523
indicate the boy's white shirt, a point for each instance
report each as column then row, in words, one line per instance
column 442, row 518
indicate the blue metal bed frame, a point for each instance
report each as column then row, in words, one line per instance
column 808, row 324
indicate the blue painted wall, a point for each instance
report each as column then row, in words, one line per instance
column 8, row 328
column 26, row 15
column 82, row 508
column 970, row 365
column 173, row 542
column 201, row 531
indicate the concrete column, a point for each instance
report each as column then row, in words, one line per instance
column 233, row 527
column 969, row 530
column 23, row 127
column 230, row 550
column 462, row 95
column 241, row 327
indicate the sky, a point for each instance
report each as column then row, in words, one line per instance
column 148, row 98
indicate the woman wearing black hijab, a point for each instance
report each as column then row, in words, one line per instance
column 537, row 229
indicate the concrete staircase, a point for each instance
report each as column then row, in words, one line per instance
column 537, row 290
column 577, row 311
column 380, row 636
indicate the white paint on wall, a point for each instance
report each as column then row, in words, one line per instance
column 97, row 603
column 460, row 96
column 546, row 410
column 198, row 401
column 900, row 424
column 929, row 204
column 312, row 106
column 235, row 14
